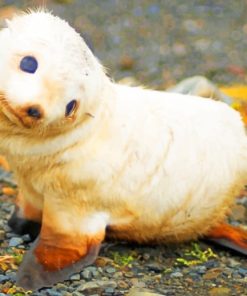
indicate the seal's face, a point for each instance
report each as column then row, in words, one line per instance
column 49, row 79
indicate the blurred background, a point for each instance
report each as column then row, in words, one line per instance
column 159, row 42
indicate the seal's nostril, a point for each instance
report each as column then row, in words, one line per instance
column 34, row 112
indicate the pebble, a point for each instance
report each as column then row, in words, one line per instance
column 201, row 269
column 87, row 274
column 52, row 292
column 109, row 290
column 26, row 238
column 242, row 271
column 15, row 241
column 75, row 277
column 220, row 291
column 11, row 276
column 156, row 267
column 232, row 262
column 110, row 270
column 3, row 278
column 212, row 273
column 129, row 274
column 2, row 235
column 76, row 294
column 123, row 285
column 176, row 275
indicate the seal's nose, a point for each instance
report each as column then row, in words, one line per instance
column 34, row 112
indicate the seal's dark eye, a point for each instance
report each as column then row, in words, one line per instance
column 70, row 107
column 29, row 64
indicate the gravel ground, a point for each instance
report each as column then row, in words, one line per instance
column 158, row 43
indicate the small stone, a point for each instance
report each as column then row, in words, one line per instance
column 129, row 274
column 89, row 285
column 242, row 271
column 201, row 269
column 61, row 286
column 176, row 275
column 232, row 262
column 2, row 235
column 146, row 256
column 143, row 292
column 26, row 238
column 12, row 276
column 52, row 292
column 87, row 274
column 238, row 213
column 3, row 278
column 110, row 270
column 15, row 241
column 76, row 294
column 156, row 267
column 127, row 62
column 109, row 290
column 212, row 274
column 220, row 291
column 123, row 285
column 75, row 277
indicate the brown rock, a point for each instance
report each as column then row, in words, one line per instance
column 238, row 213
column 142, row 292
column 220, row 291
column 127, row 63
column 212, row 274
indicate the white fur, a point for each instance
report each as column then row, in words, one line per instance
column 145, row 151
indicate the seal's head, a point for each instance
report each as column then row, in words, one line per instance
column 49, row 79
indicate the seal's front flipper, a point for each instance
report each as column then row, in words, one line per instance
column 34, row 274
column 69, row 240
column 229, row 236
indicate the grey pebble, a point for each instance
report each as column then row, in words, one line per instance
column 109, row 290
column 201, row 269
column 52, row 292
column 77, row 294
column 12, row 276
column 61, row 286
column 87, row 274
column 110, row 270
column 242, row 271
column 15, row 241
column 26, row 238
column 3, row 278
column 75, row 277
column 176, row 275
column 156, row 267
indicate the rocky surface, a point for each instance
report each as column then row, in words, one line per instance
column 158, row 43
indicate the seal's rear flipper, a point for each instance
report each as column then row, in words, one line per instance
column 230, row 237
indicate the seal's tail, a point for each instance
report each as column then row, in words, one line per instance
column 229, row 236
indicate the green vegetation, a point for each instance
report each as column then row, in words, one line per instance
column 196, row 256
column 122, row 259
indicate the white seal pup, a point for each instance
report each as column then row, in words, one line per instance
column 92, row 157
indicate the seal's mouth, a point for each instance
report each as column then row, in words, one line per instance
column 20, row 116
